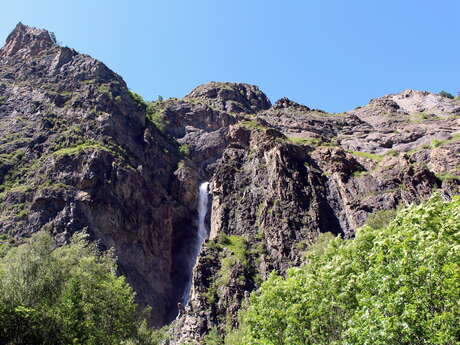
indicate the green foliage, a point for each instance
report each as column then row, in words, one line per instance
column 237, row 245
column 74, row 150
column 372, row 156
column 360, row 173
column 156, row 116
column 105, row 89
column 138, row 99
column 380, row 219
column 447, row 176
column 66, row 295
column 398, row 285
column 213, row 338
column 233, row 253
column 446, row 94
column 306, row 141
column 252, row 124
column 2, row 99
column 184, row 149
column 439, row 143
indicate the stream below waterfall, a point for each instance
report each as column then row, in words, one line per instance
column 202, row 235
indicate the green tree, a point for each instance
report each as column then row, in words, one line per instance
column 395, row 285
column 64, row 295
column 446, row 94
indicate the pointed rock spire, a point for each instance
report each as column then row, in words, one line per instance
column 26, row 41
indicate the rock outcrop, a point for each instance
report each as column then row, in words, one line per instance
column 79, row 151
column 230, row 97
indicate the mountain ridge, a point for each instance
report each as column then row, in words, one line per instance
column 80, row 151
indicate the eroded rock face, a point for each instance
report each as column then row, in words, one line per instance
column 79, row 152
column 290, row 173
column 231, row 97
column 276, row 197
column 26, row 42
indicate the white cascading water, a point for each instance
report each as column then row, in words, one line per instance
column 201, row 235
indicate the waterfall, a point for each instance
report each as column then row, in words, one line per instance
column 202, row 234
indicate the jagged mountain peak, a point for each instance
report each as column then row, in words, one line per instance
column 231, row 97
column 26, row 40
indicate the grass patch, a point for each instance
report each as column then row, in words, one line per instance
column 252, row 124
column 360, row 173
column 374, row 157
column 74, row 150
column 447, row 176
column 421, row 116
column 438, row 143
column 306, row 141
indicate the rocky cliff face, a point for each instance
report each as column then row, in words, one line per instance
column 79, row 151
column 290, row 173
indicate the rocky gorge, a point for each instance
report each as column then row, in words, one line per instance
column 79, row 151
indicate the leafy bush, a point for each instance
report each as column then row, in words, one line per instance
column 380, row 219
column 66, row 295
column 156, row 116
column 184, row 150
column 397, row 285
column 213, row 338
column 446, row 94
column 138, row 99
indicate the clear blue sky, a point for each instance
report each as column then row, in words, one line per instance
column 333, row 55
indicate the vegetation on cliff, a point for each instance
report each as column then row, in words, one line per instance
column 395, row 285
column 66, row 295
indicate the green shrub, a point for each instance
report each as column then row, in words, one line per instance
column 380, row 219
column 184, row 150
column 213, row 338
column 446, row 94
column 105, row 89
column 66, row 295
column 398, row 285
column 138, row 99
column 155, row 114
